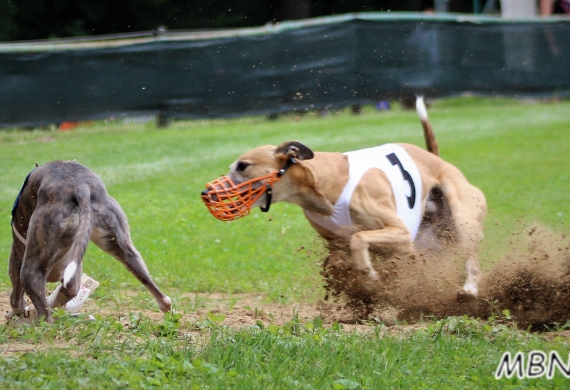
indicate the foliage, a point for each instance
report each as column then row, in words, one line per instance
column 40, row 19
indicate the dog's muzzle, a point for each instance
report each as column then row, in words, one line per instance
column 228, row 201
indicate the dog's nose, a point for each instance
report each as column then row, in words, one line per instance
column 205, row 193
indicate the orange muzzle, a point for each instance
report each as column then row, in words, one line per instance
column 227, row 201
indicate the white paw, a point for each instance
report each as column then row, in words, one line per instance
column 165, row 305
column 372, row 275
column 369, row 281
column 470, row 289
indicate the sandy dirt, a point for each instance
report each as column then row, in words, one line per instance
column 238, row 310
column 532, row 282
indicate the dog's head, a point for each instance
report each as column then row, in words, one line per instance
column 267, row 160
column 251, row 178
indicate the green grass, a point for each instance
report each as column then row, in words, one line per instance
column 453, row 353
column 516, row 152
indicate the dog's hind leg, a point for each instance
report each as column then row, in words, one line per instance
column 43, row 248
column 74, row 232
column 71, row 283
column 57, row 239
column 468, row 209
column 112, row 235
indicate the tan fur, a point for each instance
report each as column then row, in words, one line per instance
column 315, row 185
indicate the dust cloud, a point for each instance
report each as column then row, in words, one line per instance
column 532, row 281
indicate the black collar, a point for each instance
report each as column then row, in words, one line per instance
column 285, row 167
column 269, row 190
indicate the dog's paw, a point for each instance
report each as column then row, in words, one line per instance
column 26, row 315
column 366, row 281
column 471, row 289
column 372, row 276
column 369, row 285
column 466, row 295
column 165, row 304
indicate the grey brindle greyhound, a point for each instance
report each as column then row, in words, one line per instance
column 61, row 206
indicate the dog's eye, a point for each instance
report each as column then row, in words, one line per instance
column 241, row 166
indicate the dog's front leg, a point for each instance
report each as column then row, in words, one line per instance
column 112, row 234
column 14, row 268
column 35, row 287
column 360, row 244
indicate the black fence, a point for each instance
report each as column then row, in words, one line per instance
column 316, row 63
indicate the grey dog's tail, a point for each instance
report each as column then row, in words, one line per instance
column 82, row 233
column 429, row 136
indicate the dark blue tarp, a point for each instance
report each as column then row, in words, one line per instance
column 326, row 62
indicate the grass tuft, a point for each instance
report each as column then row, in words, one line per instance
column 516, row 152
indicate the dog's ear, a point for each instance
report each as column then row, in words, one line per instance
column 296, row 150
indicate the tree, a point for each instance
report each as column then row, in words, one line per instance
column 40, row 19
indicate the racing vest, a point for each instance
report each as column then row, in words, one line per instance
column 404, row 178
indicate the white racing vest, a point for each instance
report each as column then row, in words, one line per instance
column 403, row 175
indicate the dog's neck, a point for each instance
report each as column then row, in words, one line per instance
column 309, row 186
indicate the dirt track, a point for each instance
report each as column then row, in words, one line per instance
column 533, row 283
column 239, row 311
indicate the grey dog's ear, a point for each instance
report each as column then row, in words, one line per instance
column 295, row 149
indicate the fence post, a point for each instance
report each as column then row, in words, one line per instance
column 162, row 121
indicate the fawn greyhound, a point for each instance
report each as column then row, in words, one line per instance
column 377, row 196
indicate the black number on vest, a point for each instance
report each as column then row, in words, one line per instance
column 407, row 177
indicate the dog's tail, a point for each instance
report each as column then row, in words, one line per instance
column 79, row 225
column 429, row 136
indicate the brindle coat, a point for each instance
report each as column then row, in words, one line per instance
column 61, row 206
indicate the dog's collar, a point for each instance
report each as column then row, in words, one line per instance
column 22, row 239
column 286, row 167
column 269, row 190
column 16, row 202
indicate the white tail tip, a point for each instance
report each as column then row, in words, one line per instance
column 421, row 109
column 69, row 272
